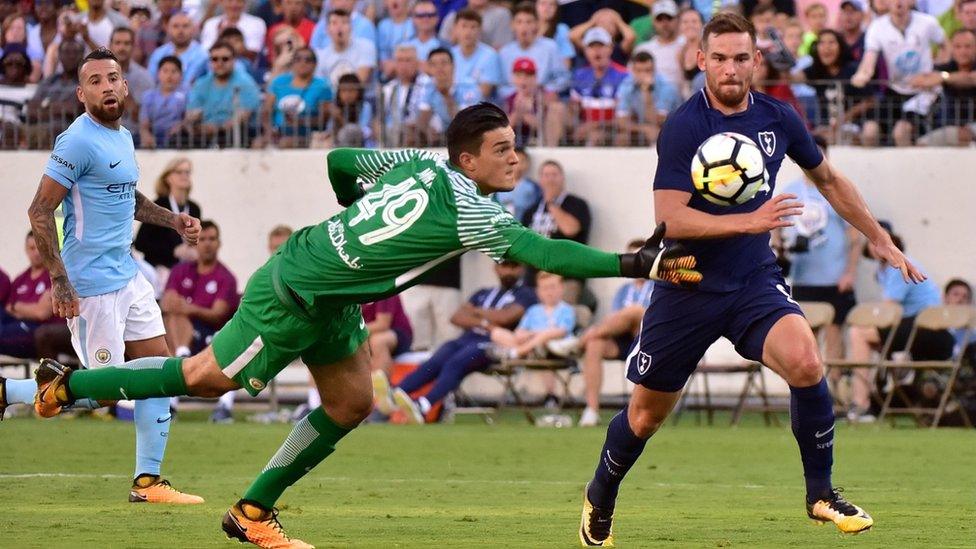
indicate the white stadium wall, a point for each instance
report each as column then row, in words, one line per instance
column 928, row 193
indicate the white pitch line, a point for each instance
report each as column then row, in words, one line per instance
column 60, row 475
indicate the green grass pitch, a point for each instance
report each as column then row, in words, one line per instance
column 64, row 484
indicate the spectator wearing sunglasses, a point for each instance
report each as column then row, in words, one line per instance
column 221, row 99
column 297, row 102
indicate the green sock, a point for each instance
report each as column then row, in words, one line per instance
column 135, row 380
column 311, row 441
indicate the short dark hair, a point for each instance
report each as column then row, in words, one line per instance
column 963, row 30
column 761, row 9
column 117, row 30
column 337, row 13
column 642, row 57
column 949, row 285
column 208, row 224
column 468, row 14
column 96, row 55
column 726, row 23
column 440, row 51
column 172, row 59
column 220, row 44
column 230, row 32
column 525, row 7
column 467, row 131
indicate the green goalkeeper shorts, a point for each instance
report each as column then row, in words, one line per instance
column 270, row 330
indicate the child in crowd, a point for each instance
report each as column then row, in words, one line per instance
column 551, row 318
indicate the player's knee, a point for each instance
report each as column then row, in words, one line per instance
column 805, row 368
column 350, row 411
column 644, row 422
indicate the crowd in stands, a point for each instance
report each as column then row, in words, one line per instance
column 526, row 314
column 300, row 73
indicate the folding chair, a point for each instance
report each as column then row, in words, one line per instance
column 944, row 317
column 819, row 315
column 877, row 314
column 507, row 370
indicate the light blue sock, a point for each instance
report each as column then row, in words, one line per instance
column 21, row 391
column 152, row 419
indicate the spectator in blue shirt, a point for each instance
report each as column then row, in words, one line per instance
column 163, row 108
column 550, row 67
column 594, row 89
column 297, row 102
column 444, row 97
column 424, row 15
column 552, row 27
column 824, row 253
column 181, row 44
column 362, row 27
column 392, row 31
column 644, row 100
column 473, row 58
column 913, row 298
column 959, row 292
column 549, row 319
column 221, row 99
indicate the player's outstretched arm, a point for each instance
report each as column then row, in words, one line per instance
column 685, row 223
column 148, row 211
column 848, row 202
column 50, row 194
column 575, row 260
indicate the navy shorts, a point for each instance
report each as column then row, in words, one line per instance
column 680, row 325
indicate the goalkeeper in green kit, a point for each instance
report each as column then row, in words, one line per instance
column 406, row 212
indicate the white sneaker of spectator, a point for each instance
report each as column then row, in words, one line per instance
column 589, row 418
column 565, row 347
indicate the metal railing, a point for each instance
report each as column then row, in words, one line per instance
column 833, row 109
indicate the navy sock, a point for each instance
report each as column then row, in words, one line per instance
column 619, row 453
column 812, row 419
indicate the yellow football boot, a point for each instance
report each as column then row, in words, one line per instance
column 160, row 491
column 848, row 517
column 596, row 526
column 264, row 532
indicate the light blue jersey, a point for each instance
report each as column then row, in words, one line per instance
column 484, row 66
column 629, row 294
column 536, row 318
column 912, row 297
column 825, row 260
column 98, row 167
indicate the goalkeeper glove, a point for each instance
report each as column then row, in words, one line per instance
column 670, row 264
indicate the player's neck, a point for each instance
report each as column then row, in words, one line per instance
column 726, row 109
column 113, row 125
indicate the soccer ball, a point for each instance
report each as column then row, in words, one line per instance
column 728, row 169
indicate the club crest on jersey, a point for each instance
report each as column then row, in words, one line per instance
column 103, row 356
column 767, row 140
column 643, row 363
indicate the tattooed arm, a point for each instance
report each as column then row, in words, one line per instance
column 149, row 212
column 64, row 299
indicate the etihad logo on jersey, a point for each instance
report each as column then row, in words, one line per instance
column 62, row 161
column 497, row 217
column 337, row 234
column 124, row 191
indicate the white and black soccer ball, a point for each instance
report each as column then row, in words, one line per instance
column 728, row 169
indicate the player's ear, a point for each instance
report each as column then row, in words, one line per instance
column 701, row 60
column 757, row 58
column 80, row 94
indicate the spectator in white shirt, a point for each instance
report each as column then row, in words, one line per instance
column 666, row 45
column 345, row 53
column 253, row 28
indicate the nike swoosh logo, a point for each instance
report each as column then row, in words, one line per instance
column 818, row 434
column 164, row 419
column 112, row 166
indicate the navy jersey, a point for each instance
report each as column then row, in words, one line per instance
column 727, row 263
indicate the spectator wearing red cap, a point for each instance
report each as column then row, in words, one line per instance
column 533, row 120
column 594, row 89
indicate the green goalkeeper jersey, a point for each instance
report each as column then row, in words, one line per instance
column 417, row 212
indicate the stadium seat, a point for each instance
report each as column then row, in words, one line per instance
column 944, row 317
column 508, row 370
column 876, row 314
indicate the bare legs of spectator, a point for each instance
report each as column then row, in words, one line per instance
column 902, row 133
column 520, row 343
column 862, row 342
column 179, row 332
column 381, row 347
column 599, row 344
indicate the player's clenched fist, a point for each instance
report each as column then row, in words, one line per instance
column 188, row 227
column 671, row 263
column 64, row 299
column 771, row 215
